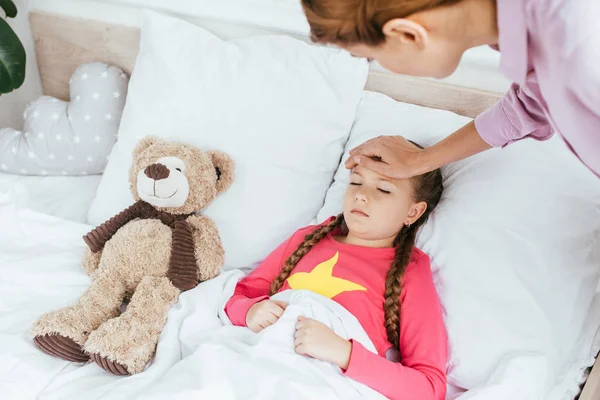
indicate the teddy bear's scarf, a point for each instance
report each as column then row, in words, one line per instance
column 183, row 271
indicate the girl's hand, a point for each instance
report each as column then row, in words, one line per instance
column 316, row 340
column 264, row 313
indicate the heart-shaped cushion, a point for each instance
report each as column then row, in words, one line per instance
column 69, row 138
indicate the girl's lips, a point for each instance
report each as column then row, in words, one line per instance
column 358, row 212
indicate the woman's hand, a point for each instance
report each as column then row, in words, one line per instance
column 264, row 313
column 400, row 159
column 316, row 340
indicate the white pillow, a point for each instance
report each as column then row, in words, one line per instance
column 512, row 247
column 281, row 108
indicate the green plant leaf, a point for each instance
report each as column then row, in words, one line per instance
column 9, row 8
column 12, row 59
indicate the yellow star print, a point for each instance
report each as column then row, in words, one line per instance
column 321, row 280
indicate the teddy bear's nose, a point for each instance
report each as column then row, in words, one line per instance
column 157, row 171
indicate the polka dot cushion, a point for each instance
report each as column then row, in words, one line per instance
column 69, row 138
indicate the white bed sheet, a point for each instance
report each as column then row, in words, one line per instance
column 67, row 197
column 570, row 380
column 26, row 373
column 196, row 358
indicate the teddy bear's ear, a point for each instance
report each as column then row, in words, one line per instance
column 144, row 144
column 224, row 168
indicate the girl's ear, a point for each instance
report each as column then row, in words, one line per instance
column 406, row 31
column 415, row 212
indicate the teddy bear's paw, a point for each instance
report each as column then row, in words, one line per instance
column 61, row 333
column 122, row 345
column 130, row 339
column 61, row 347
column 57, row 334
column 113, row 367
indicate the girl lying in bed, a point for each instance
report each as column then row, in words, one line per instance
column 364, row 259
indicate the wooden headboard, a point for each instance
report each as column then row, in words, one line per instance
column 63, row 43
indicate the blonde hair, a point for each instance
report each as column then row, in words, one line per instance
column 359, row 21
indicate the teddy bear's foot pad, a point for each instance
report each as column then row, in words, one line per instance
column 110, row 366
column 62, row 347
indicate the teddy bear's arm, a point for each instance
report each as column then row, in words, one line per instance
column 97, row 238
column 91, row 261
column 210, row 255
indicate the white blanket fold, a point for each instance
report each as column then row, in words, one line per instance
column 200, row 354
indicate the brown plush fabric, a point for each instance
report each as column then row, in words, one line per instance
column 98, row 303
column 183, row 271
column 202, row 174
column 100, row 235
column 110, row 366
column 131, row 339
column 152, row 253
column 208, row 250
column 91, row 261
column 157, row 171
column 61, row 347
column 224, row 166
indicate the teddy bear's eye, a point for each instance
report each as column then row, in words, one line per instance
column 178, row 169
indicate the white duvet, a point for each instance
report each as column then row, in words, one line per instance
column 199, row 355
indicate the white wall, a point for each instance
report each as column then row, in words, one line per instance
column 13, row 104
column 478, row 69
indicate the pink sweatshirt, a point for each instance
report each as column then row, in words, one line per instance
column 550, row 49
column 354, row 276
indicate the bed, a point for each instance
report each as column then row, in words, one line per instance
column 63, row 43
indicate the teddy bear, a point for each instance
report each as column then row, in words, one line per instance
column 150, row 252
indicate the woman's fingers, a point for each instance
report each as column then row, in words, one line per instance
column 361, row 147
column 350, row 163
column 376, row 166
column 367, row 150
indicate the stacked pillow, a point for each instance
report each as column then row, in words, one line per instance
column 515, row 248
column 283, row 109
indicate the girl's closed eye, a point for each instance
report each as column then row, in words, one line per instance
column 384, row 191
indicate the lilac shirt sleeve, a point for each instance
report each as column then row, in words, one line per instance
column 514, row 117
column 584, row 84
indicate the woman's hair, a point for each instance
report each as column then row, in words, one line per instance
column 359, row 21
column 428, row 188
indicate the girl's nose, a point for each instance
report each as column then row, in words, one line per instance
column 360, row 196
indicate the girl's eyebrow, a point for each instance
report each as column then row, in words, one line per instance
column 380, row 179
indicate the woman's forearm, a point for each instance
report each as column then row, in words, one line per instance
column 463, row 143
